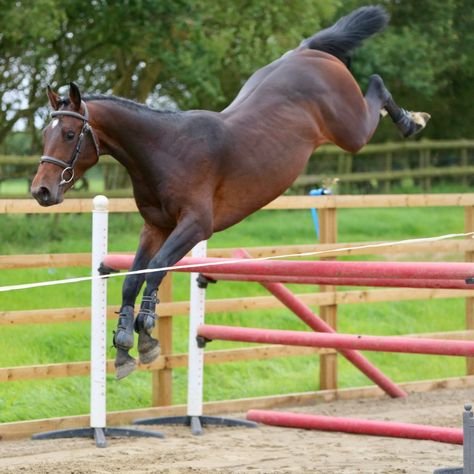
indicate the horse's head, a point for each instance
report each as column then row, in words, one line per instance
column 70, row 148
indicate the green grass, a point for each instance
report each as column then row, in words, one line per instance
column 36, row 344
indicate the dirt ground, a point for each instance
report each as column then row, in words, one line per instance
column 264, row 449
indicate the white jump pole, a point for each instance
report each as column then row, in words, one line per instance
column 100, row 217
column 196, row 354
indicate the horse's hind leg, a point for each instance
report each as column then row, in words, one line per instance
column 407, row 122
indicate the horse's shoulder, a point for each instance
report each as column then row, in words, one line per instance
column 199, row 120
column 206, row 125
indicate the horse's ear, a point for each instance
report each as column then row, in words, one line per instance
column 75, row 95
column 53, row 98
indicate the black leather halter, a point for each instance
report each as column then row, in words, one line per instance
column 68, row 167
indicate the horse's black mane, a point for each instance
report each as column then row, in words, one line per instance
column 129, row 104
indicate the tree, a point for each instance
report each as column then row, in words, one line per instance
column 199, row 52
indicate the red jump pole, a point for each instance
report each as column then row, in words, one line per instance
column 305, row 313
column 342, row 281
column 339, row 341
column 358, row 426
column 323, row 269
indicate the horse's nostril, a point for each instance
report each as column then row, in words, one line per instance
column 42, row 195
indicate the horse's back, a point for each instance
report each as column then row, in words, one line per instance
column 301, row 73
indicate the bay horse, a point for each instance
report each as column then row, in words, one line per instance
column 198, row 172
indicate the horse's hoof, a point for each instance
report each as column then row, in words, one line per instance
column 418, row 122
column 421, row 119
column 124, row 364
column 148, row 348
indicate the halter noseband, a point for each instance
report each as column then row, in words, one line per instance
column 69, row 166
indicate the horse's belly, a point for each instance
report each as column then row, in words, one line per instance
column 244, row 194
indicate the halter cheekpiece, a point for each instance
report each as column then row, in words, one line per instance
column 67, row 175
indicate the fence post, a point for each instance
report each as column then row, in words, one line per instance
column 328, row 362
column 465, row 164
column 469, row 257
column 425, row 163
column 388, row 169
column 162, row 380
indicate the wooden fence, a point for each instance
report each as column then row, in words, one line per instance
column 376, row 168
column 328, row 299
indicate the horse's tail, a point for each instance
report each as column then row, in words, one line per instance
column 347, row 34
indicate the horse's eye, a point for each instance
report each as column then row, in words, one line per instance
column 70, row 135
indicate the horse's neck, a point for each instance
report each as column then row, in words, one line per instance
column 128, row 134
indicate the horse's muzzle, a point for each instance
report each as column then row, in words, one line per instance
column 44, row 196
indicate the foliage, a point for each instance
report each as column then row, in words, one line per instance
column 230, row 40
column 425, row 59
column 197, row 53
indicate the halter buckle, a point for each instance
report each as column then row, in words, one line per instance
column 65, row 180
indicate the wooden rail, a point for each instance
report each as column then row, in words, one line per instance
column 83, row 259
column 249, row 303
column 388, row 175
column 126, row 205
column 264, row 352
column 78, row 369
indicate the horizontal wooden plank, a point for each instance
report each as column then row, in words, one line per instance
column 78, row 369
column 343, row 249
column 391, row 175
column 74, row 369
column 25, row 160
column 250, row 303
column 465, row 335
column 372, row 201
column 70, row 205
column 350, row 248
column 29, row 206
column 458, row 246
column 390, row 147
column 247, row 353
column 50, row 260
column 23, row 429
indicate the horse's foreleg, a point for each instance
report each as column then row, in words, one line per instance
column 380, row 98
column 150, row 240
column 189, row 231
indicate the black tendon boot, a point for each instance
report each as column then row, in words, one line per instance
column 148, row 346
column 123, row 342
